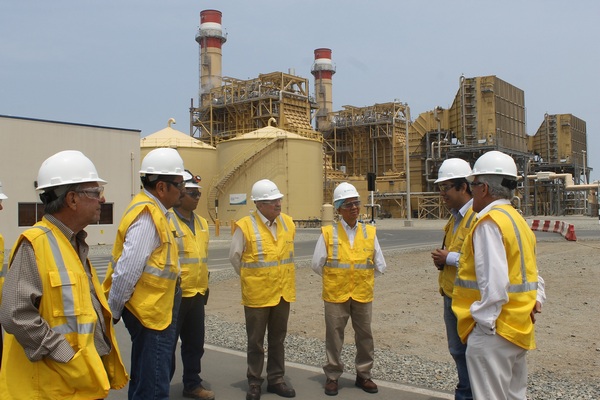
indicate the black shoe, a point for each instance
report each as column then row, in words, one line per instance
column 281, row 389
column 253, row 392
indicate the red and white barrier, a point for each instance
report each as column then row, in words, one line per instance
column 566, row 230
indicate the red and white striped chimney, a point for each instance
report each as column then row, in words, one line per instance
column 210, row 37
column 323, row 70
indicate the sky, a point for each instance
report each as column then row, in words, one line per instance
column 133, row 64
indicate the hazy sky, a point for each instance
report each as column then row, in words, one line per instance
column 134, row 63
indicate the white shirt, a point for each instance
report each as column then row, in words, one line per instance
column 141, row 240
column 320, row 255
column 491, row 268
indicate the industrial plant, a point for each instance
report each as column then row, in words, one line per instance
column 273, row 127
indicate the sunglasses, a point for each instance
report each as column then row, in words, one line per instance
column 179, row 185
column 194, row 195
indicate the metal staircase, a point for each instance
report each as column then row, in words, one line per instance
column 220, row 182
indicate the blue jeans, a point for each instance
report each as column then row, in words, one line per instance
column 457, row 351
column 190, row 328
column 151, row 355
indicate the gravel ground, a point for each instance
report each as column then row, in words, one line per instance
column 408, row 324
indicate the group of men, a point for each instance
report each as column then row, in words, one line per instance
column 59, row 320
column 488, row 278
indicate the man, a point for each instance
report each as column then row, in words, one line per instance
column 60, row 341
column 3, row 268
column 456, row 194
column 192, row 242
column 262, row 254
column 141, row 282
column 348, row 257
column 496, row 285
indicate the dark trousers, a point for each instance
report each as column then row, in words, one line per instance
column 151, row 356
column 190, row 329
column 274, row 320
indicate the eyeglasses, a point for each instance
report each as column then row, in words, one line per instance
column 476, row 183
column 350, row 205
column 444, row 187
column 194, row 194
column 179, row 185
column 92, row 193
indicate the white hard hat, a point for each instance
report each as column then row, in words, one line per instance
column 265, row 190
column 191, row 181
column 494, row 163
column 162, row 161
column 65, row 168
column 453, row 168
column 344, row 191
column 2, row 195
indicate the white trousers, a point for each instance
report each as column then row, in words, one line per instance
column 497, row 367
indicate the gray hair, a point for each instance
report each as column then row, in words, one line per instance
column 54, row 199
column 497, row 191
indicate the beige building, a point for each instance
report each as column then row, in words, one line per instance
column 27, row 142
column 198, row 157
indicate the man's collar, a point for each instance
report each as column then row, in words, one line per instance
column 153, row 197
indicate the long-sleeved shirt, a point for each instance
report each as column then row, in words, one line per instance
column 320, row 255
column 238, row 242
column 19, row 314
column 141, row 240
column 493, row 282
column 453, row 256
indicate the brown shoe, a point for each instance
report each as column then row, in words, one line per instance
column 253, row 392
column 331, row 387
column 199, row 393
column 366, row 384
column 281, row 389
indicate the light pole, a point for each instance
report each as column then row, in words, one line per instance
column 408, row 221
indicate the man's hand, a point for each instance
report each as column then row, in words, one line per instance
column 439, row 258
column 537, row 309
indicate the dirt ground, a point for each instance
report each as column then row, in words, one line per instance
column 408, row 308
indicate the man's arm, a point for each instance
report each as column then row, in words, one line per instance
column 141, row 240
column 319, row 256
column 380, row 264
column 19, row 313
column 238, row 242
column 491, row 268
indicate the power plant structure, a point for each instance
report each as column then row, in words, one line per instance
column 263, row 127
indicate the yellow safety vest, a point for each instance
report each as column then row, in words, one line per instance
column 3, row 269
column 514, row 322
column 152, row 299
column 349, row 271
column 66, row 306
column 453, row 241
column 267, row 272
column 193, row 254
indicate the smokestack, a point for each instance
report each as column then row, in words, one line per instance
column 210, row 37
column 323, row 70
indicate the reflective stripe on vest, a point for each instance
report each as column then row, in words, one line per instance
column 261, row 257
column 335, row 252
column 179, row 241
column 512, row 288
column 66, row 292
